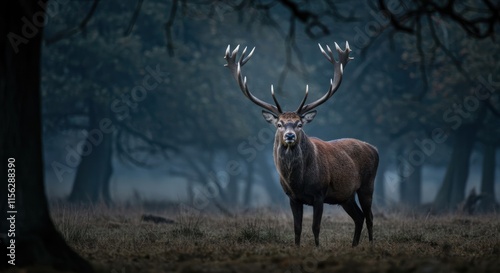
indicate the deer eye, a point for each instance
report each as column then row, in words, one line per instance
column 299, row 125
column 280, row 125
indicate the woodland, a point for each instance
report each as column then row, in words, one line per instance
column 96, row 93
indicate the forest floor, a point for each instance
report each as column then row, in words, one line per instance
column 116, row 240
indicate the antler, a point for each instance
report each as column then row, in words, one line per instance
column 337, row 78
column 235, row 67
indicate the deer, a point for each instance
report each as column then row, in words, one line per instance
column 312, row 171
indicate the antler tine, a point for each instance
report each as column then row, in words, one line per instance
column 235, row 67
column 242, row 57
column 245, row 60
column 328, row 56
column 339, row 66
column 235, row 51
column 275, row 100
column 303, row 100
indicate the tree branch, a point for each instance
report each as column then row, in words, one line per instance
column 168, row 27
column 125, row 154
column 135, row 133
column 397, row 24
column 74, row 30
column 450, row 55
column 134, row 18
column 311, row 20
column 479, row 25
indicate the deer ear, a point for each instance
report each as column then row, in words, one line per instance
column 270, row 117
column 308, row 117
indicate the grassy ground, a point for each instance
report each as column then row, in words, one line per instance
column 116, row 240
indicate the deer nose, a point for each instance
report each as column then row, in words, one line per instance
column 289, row 136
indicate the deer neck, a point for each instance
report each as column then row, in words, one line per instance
column 292, row 161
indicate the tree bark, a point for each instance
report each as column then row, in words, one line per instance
column 94, row 171
column 36, row 240
column 488, row 201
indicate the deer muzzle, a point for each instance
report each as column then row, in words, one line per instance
column 289, row 137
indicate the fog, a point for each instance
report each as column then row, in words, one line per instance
column 150, row 113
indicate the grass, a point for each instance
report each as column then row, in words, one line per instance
column 255, row 231
column 116, row 240
column 188, row 226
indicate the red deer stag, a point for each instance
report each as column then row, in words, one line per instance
column 313, row 171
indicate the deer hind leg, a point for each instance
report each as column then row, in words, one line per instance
column 365, row 200
column 365, row 194
column 365, row 197
column 357, row 215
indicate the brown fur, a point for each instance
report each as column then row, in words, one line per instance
column 313, row 172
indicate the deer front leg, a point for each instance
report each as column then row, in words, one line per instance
column 317, row 214
column 297, row 211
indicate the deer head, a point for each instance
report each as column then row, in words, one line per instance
column 289, row 124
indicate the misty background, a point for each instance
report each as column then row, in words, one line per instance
column 138, row 106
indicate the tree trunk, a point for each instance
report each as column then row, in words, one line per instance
column 467, row 139
column 488, row 201
column 411, row 188
column 36, row 240
column 94, row 171
column 452, row 191
column 410, row 176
